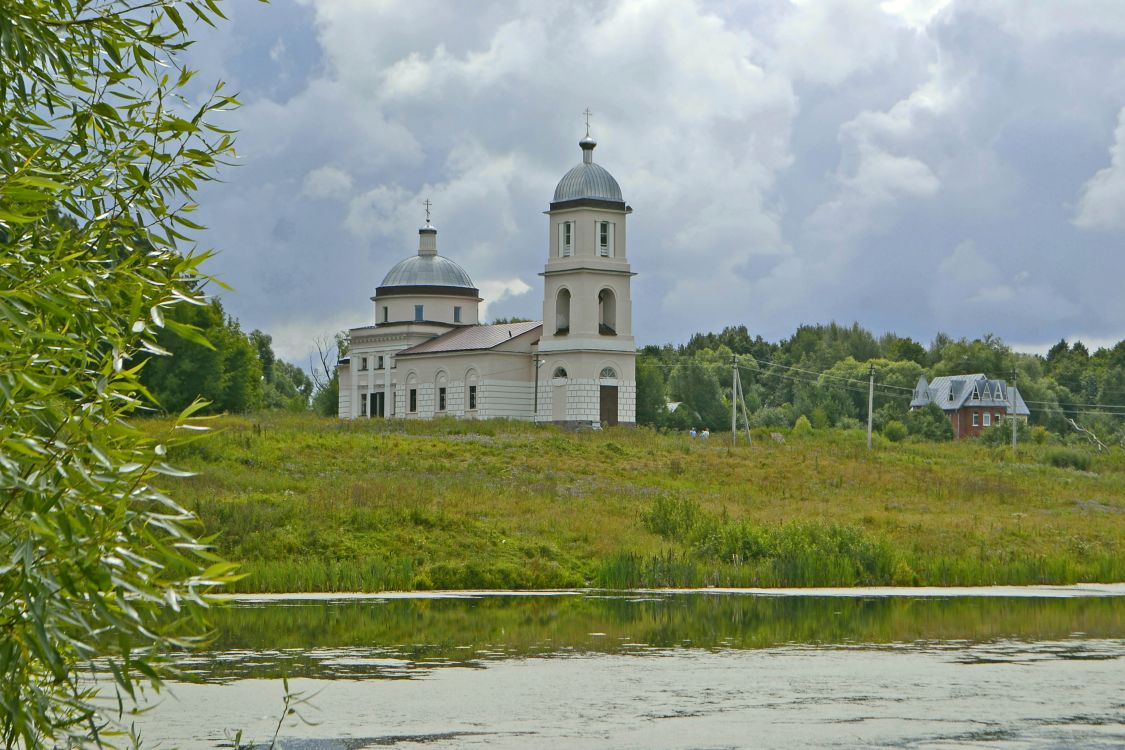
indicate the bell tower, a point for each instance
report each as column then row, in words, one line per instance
column 588, row 370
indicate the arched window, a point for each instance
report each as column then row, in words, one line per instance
column 607, row 313
column 471, row 390
column 411, row 393
column 562, row 312
column 609, row 373
column 560, row 372
column 441, row 395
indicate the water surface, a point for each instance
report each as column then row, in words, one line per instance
column 659, row 670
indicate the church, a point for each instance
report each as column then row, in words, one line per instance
column 427, row 354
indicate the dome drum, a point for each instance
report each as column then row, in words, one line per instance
column 414, row 290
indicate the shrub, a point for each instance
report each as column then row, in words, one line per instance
column 928, row 423
column 1067, row 458
column 802, row 426
column 894, row 431
column 771, row 416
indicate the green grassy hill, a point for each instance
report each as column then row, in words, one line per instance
column 310, row 504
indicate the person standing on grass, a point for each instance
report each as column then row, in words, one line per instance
column 706, row 433
column 692, row 433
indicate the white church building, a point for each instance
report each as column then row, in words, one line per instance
column 426, row 354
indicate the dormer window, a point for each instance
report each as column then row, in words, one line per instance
column 566, row 239
column 976, row 394
column 605, row 239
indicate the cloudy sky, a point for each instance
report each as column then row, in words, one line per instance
column 914, row 165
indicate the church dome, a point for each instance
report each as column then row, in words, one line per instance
column 427, row 270
column 588, row 181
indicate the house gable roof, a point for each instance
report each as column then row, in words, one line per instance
column 953, row 392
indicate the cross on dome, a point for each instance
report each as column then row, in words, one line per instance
column 427, row 204
column 587, row 113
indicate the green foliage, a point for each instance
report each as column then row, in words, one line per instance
column 651, row 400
column 224, row 367
column 1000, row 433
column 696, row 386
column 928, row 423
column 894, row 431
column 99, row 155
column 802, row 426
column 1067, row 458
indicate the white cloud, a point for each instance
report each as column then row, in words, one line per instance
column 327, row 182
column 494, row 291
column 1102, row 205
column 827, row 41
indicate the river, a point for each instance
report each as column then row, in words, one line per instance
column 995, row 668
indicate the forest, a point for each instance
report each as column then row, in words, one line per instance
column 818, row 376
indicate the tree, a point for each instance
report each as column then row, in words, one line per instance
column 697, row 387
column 326, row 378
column 929, row 423
column 652, row 404
column 99, row 156
column 223, row 368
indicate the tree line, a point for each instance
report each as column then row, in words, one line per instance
column 820, row 374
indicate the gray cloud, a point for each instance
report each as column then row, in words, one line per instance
column 788, row 162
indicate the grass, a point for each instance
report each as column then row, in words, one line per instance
column 310, row 504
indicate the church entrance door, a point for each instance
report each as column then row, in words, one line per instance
column 609, row 405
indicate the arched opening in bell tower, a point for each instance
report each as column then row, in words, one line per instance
column 607, row 313
column 562, row 312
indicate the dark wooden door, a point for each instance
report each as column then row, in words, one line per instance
column 609, row 405
column 380, row 405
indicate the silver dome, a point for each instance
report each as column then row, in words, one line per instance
column 427, row 270
column 588, row 180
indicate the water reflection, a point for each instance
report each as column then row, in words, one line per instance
column 406, row 638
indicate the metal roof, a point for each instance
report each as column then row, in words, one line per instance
column 952, row 392
column 472, row 338
column 588, row 180
column 427, row 270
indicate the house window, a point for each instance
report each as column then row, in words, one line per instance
column 441, row 399
column 363, row 404
column 566, row 239
column 472, row 397
column 976, row 419
column 386, row 314
column 988, row 419
column 363, row 363
column 605, row 239
column 456, row 313
column 418, row 312
column 379, row 365
column 413, row 400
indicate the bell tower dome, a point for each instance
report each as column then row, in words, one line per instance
column 587, row 346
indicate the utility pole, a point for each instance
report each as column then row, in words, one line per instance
column 733, row 400
column 870, row 402
column 1012, row 408
column 742, row 403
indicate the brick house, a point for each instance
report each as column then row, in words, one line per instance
column 972, row 402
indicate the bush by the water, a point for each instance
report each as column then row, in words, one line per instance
column 726, row 552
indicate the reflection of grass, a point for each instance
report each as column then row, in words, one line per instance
column 462, row 631
column 316, row 504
